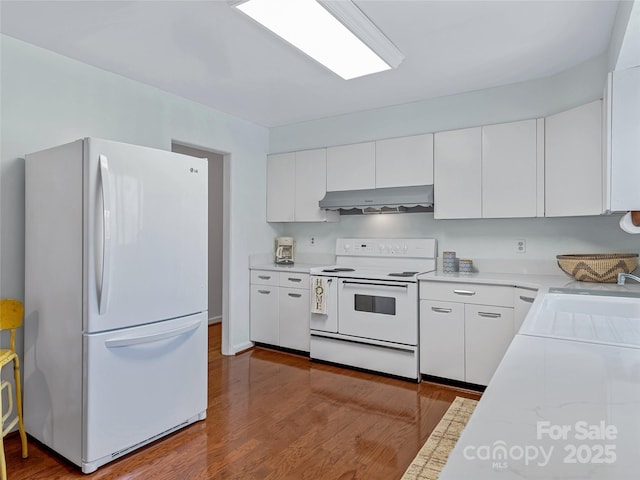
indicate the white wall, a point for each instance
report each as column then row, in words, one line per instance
column 48, row 99
column 484, row 238
column 532, row 99
column 479, row 239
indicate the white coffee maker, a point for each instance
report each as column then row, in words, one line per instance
column 284, row 250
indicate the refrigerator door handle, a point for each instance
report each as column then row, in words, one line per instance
column 106, row 234
column 154, row 337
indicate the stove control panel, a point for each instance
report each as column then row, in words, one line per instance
column 387, row 247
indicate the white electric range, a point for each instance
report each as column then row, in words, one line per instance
column 364, row 309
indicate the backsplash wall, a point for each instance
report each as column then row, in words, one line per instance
column 476, row 238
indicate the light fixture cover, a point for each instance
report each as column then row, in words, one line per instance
column 335, row 33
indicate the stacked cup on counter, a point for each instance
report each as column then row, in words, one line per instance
column 452, row 264
column 466, row 265
column 449, row 262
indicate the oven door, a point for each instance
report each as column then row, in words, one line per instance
column 379, row 310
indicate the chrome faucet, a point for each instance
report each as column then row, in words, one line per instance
column 622, row 276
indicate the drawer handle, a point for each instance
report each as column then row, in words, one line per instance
column 264, row 277
column 464, row 292
column 291, row 279
column 295, row 295
column 527, row 299
column 489, row 314
column 265, row 292
column 441, row 310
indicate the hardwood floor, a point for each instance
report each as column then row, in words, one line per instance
column 274, row 415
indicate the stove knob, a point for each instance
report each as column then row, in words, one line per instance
column 405, row 248
column 381, row 248
column 347, row 247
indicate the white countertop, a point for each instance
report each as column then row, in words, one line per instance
column 295, row 268
column 531, row 281
column 542, row 386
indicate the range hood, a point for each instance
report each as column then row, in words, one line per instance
column 380, row 200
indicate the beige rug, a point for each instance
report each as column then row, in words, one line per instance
column 434, row 453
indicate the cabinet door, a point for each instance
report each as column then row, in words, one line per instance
column 573, row 162
column 311, row 186
column 406, row 161
column 458, row 174
column 488, row 333
column 351, row 167
column 442, row 339
column 280, row 187
column 509, row 169
column 522, row 300
column 294, row 318
column 264, row 314
column 625, row 140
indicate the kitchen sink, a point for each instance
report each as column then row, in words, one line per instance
column 610, row 319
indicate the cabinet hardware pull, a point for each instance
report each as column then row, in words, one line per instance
column 266, row 292
column 441, row 310
column 291, row 279
column 264, row 277
column 489, row 315
column 527, row 299
column 464, row 292
column 295, row 295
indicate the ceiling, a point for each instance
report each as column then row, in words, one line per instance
column 209, row 52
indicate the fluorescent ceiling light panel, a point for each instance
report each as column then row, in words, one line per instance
column 309, row 26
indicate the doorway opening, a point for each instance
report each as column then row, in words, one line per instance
column 217, row 241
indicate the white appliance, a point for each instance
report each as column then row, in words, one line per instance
column 364, row 310
column 115, row 297
column 284, row 250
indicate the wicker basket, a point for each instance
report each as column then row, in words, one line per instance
column 598, row 267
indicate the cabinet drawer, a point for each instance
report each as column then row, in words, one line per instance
column 467, row 293
column 264, row 277
column 294, row 280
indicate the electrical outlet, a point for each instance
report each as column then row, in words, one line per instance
column 521, row 245
column 312, row 241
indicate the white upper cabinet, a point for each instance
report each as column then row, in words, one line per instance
column 509, row 170
column 573, row 162
column 351, row 167
column 281, row 173
column 493, row 171
column 311, row 186
column 624, row 139
column 405, row 161
column 296, row 182
column 457, row 173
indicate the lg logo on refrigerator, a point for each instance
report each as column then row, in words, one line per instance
column 194, row 170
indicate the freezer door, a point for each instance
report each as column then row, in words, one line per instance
column 141, row 382
column 145, row 235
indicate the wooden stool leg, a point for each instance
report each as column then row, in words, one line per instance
column 23, row 435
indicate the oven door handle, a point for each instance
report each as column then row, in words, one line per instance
column 398, row 285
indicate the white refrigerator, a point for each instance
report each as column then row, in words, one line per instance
column 115, row 297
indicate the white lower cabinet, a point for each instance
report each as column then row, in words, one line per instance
column 488, row 331
column 264, row 314
column 294, row 318
column 442, row 339
column 280, row 311
column 522, row 300
column 464, row 339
